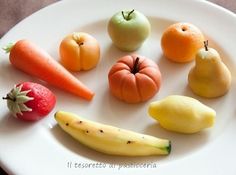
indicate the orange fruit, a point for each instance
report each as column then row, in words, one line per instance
column 181, row 41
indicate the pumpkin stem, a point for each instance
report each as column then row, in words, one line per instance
column 135, row 68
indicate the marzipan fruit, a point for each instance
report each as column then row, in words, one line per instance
column 111, row 140
column 209, row 77
column 182, row 114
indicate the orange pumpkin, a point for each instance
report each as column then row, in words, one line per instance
column 134, row 79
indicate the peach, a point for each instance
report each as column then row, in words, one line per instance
column 79, row 51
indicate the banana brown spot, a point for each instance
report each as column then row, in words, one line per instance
column 129, row 142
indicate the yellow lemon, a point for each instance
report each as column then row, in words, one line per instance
column 182, row 114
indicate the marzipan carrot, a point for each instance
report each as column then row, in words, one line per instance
column 34, row 61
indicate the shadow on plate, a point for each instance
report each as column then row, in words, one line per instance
column 11, row 125
column 182, row 144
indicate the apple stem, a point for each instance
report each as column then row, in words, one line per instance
column 206, row 45
column 135, row 68
column 130, row 13
column 128, row 16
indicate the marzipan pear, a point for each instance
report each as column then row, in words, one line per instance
column 209, row 77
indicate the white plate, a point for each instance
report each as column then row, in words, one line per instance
column 43, row 148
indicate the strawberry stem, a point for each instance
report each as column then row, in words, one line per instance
column 9, row 98
column 17, row 99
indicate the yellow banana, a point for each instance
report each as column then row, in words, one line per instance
column 111, row 140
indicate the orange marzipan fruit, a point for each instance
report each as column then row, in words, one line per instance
column 181, row 41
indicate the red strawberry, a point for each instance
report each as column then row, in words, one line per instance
column 30, row 101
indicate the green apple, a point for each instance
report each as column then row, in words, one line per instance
column 128, row 29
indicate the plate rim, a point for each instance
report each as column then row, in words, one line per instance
column 3, row 164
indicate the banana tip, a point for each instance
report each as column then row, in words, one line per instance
column 168, row 148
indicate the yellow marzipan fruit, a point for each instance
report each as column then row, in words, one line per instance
column 209, row 77
column 111, row 140
column 182, row 114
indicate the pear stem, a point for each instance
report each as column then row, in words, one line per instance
column 128, row 16
column 206, row 45
column 135, row 68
